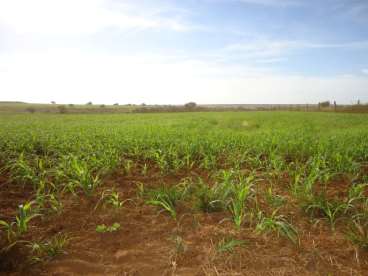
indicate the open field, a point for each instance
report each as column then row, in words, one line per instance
column 230, row 193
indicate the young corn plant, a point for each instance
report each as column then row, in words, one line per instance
column 210, row 198
column 111, row 197
column 22, row 172
column 240, row 192
column 358, row 233
column 276, row 223
column 81, row 176
column 180, row 245
column 330, row 209
column 356, row 193
column 228, row 245
column 46, row 250
column 144, row 169
column 274, row 200
column 14, row 230
column 49, row 203
column 237, row 204
column 11, row 234
column 128, row 166
column 166, row 198
column 25, row 215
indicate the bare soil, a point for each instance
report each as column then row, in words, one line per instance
column 145, row 243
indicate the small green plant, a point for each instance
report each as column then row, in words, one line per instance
column 331, row 209
column 128, row 165
column 166, row 197
column 8, row 228
column 20, row 226
column 356, row 193
column 144, row 169
column 102, row 228
column 237, row 204
column 228, row 245
column 210, row 198
column 25, row 215
column 78, row 174
column 180, row 246
column 111, row 198
column 274, row 200
column 49, row 203
column 276, row 223
column 42, row 251
column 358, row 233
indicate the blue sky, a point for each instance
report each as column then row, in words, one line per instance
column 161, row 51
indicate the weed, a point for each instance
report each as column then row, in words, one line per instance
column 102, row 228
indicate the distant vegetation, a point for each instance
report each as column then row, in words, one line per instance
column 19, row 107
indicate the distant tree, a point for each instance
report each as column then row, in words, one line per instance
column 116, row 104
column 102, row 105
column 190, row 105
column 62, row 109
column 31, row 109
column 89, row 103
column 143, row 104
column 53, row 102
column 358, row 103
column 325, row 104
column 71, row 105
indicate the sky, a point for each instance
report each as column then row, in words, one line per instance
column 176, row 51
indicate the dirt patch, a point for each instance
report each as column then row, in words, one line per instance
column 152, row 243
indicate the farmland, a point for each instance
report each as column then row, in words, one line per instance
column 230, row 193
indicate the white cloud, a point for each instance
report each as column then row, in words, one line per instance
column 55, row 17
column 276, row 50
column 365, row 71
column 72, row 76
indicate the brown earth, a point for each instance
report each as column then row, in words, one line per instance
column 145, row 243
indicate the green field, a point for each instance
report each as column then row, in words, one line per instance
column 254, row 182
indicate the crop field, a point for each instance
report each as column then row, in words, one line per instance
column 222, row 193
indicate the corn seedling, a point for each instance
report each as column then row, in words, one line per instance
column 331, row 209
column 237, row 203
column 274, row 200
column 228, row 245
column 46, row 250
column 210, row 199
column 276, row 223
column 166, row 198
column 358, row 233
column 25, row 215
column 128, row 165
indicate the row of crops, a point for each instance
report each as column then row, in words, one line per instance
column 310, row 154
